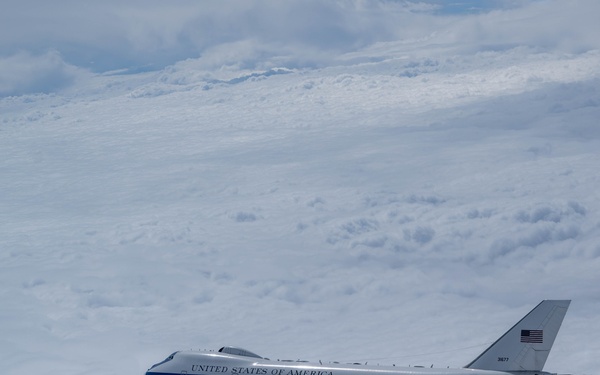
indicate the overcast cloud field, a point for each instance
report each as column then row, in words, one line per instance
column 389, row 182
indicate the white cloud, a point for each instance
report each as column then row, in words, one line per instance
column 411, row 185
column 25, row 73
column 139, row 35
column 125, row 34
column 548, row 25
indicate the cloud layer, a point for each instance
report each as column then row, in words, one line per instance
column 138, row 35
column 24, row 73
column 382, row 181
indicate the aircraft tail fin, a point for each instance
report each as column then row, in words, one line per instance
column 525, row 347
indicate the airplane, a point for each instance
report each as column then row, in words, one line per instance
column 522, row 350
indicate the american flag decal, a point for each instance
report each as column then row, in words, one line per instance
column 532, row 336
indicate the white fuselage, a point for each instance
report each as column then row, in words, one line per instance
column 212, row 363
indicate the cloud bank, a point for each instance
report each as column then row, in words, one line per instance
column 152, row 34
column 24, row 73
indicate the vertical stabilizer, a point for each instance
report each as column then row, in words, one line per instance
column 525, row 347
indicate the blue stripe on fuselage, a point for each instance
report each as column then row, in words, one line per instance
column 172, row 373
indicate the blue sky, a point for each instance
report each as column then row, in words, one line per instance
column 474, row 6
